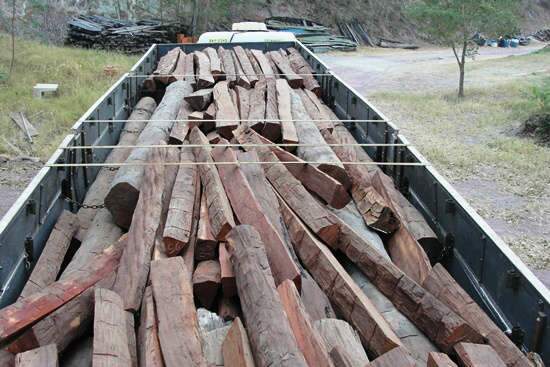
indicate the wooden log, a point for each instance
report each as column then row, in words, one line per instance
column 227, row 115
column 228, row 65
column 219, row 210
column 125, row 188
column 271, row 339
column 215, row 64
column 288, row 128
column 314, row 299
column 272, row 127
column 148, row 342
column 179, row 70
column 228, row 309
column 131, row 334
column 212, row 342
column 339, row 358
column 300, row 66
column 200, row 99
column 7, row 359
column 236, row 347
column 242, row 79
column 477, row 355
column 317, row 150
column 179, row 220
column 49, row 263
column 210, row 114
column 338, row 334
column 255, row 65
column 204, row 76
column 213, row 137
column 190, row 70
column 376, row 211
column 440, row 360
column 323, row 112
column 166, row 66
column 206, row 245
column 263, row 62
column 134, row 265
column 229, row 286
column 31, row 309
column 111, row 345
column 177, row 320
column 243, row 99
column 246, row 66
column 181, row 128
column 308, row 339
column 256, row 114
column 79, row 354
column 45, row 356
column 98, row 189
column 206, row 282
column 295, row 81
column 345, row 295
column 397, row 357
column 442, row 285
column 249, row 211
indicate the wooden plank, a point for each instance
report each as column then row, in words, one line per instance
column 272, row 127
column 243, row 99
column 242, row 79
column 228, row 65
column 338, row 334
column 177, row 320
column 440, row 360
column 45, row 356
column 150, row 354
column 308, row 339
column 316, row 110
column 263, row 62
column 288, row 128
column 256, row 114
column 397, row 357
column 134, row 265
column 268, row 328
column 215, row 64
column 166, row 66
column 219, row 210
column 236, row 347
column 111, row 345
column 206, row 245
column 246, row 66
column 204, row 76
column 125, row 188
column 179, row 220
column 206, row 282
column 229, row 286
column 249, row 211
column 227, row 115
column 477, row 355
column 255, row 65
column 295, row 81
column 300, row 66
column 200, row 99
column 49, row 263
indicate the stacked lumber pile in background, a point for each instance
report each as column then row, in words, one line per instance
column 356, row 32
column 248, row 254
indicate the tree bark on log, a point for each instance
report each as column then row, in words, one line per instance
column 288, row 128
column 308, row 339
column 270, row 334
column 166, row 66
column 300, row 66
column 227, row 115
column 45, row 356
column 134, row 265
column 111, row 344
column 440, row 360
column 474, row 355
column 246, row 66
column 150, row 354
column 339, row 334
column 205, row 79
column 236, row 347
column 294, row 80
column 249, row 211
column 49, row 263
column 206, row 282
column 100, row 187
column 177, row 317
column 228, row 65
column 124, row 192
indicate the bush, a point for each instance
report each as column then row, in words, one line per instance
column 538, row 124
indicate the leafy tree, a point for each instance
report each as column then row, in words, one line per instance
column 454, row 23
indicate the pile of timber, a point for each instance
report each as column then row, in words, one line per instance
column 357, row 32
column 244, row 254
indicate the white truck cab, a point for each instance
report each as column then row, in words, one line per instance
column 246, row 32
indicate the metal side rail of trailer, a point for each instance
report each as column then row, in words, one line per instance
column 470, row 250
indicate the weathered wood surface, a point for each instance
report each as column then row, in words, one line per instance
column 31, row 309
column 262, row 60
column 339, row 358
column 131, row 334
column 477, row 355
column 294, row 80
column 314, row 299
column 272, row 127
column 190, row 70
column 229, row 286
column 256, row 114
column 98, row 189
column 339, row 334
column 111, row 345
column 177, row 320
column 216, row 67
column 228, row 309
column 300, row 66
column 179, row 220
column 249, row 211
column 440, row 360
column 206, row 282
column 166, row 66
column 227, row 115
column 245, row 65
column 150, row 354
column 317, row 149
column 255, row 65
column 7, row 359
column 45, row 356
column 316, row 110
column 179, row 70
column 236, row 347
column 242, row 79
column 268, row 328
column 204, row 77
column 397, row 357
column 212, row 342
column 219, row 210
column 284, row 109
column 308, row 339
column 376, row 211
column 134, row 265
column 181, row 128
column 200, row 99
column 243, row 99
column 206, row 245
column 49, row 263
column 125, row 188
column 213, row 137
column 228, row 65
column 345, row 295
column 442, row 285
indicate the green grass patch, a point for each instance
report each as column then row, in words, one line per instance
column 81, row 80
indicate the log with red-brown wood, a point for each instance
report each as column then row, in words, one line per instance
column 257, row 217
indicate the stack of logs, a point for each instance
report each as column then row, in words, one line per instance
column 245, row 253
